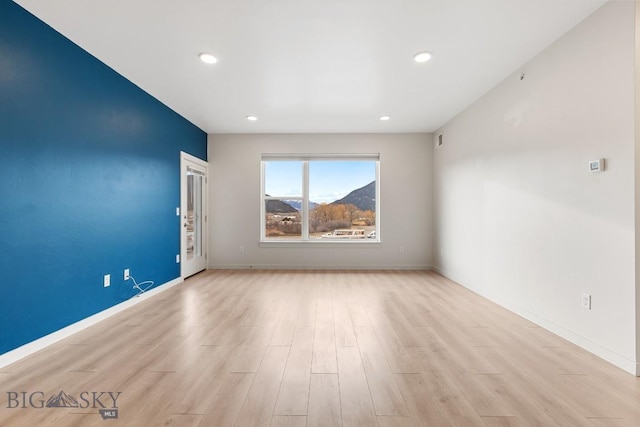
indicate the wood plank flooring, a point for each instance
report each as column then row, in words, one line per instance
column 319, row 348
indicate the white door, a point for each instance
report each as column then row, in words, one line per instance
column 193, row 215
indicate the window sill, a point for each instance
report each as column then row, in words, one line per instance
column 360, row 243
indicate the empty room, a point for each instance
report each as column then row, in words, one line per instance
column 350, row 213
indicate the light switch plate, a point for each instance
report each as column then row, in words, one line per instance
column 586, row 301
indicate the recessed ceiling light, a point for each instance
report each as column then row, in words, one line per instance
column 422, row 57
column 385, row 118
column 252, row 118
column 207, row 58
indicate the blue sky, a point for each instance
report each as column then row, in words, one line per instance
column 328, row 180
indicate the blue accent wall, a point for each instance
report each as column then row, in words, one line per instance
column 89, row 181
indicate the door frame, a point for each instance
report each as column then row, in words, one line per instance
column 184, row 158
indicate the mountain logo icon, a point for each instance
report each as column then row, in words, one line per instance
column 62, row 400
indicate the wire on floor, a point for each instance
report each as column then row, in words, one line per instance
column 141, row 287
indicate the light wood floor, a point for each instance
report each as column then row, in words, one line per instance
column 287, row 348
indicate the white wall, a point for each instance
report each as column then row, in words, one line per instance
column 406, row 213
column 518, row 216
column 637, row 182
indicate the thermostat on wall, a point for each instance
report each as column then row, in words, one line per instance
column 596, row 165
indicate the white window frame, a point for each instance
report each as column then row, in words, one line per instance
column 304, row 199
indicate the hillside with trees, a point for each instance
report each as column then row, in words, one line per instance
column 356, row 209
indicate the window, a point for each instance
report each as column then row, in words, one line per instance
column 320, row 199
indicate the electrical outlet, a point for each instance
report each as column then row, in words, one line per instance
column 586, row 301
column 177, row 211
column 178, row 259
column 107, row 280
column 241, row 249
column 126, row 274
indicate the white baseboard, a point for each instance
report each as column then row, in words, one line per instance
column 27, row 349
column 316, row 267
column 604, row 353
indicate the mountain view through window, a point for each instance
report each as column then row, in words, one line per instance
column 320, row 200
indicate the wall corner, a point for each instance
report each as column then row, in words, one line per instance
column 636, row 115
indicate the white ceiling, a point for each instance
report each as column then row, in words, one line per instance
column 314, row 66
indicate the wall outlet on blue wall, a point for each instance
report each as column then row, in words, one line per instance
column 107, row 280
